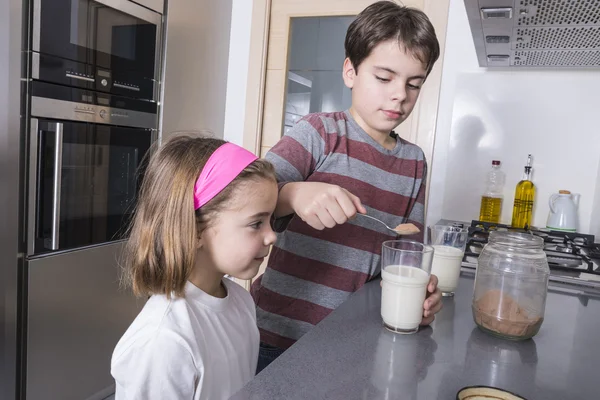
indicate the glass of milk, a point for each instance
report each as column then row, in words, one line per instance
column 405, row 272
column 449, row 243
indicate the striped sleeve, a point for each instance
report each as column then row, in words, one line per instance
column 297, row 154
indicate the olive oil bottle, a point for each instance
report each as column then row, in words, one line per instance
column 524, row 196
column 491, row 200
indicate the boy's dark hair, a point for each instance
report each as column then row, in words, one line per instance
column 385, row 20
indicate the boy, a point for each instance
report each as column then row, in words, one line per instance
column 331, row 166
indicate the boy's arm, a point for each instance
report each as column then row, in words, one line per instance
column 295, row 157
column 416, row 214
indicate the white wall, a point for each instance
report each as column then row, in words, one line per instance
column 595, row 221
column 239, row 54
column 197, row 65
column 491, row 114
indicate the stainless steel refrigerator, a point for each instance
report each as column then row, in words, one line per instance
column 79, row 89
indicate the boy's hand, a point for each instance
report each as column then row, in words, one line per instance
column 322, row 205
column 433, row 301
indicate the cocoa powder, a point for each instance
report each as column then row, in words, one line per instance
column 500, row 313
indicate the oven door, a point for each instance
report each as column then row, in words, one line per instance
column 106, row 45
column 84, row 180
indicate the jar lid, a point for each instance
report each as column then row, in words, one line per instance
column 564, row 192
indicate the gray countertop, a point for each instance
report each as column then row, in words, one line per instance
column 349, row 355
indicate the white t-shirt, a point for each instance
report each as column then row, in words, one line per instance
column 197, row 347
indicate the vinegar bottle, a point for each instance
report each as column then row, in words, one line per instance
column 524, row 196
column 491, row 200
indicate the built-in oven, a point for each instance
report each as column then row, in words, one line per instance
column 111, row 46
column 86, row 160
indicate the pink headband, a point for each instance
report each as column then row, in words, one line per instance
column 222, row 167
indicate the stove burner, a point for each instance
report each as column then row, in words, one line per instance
column 594, row 252
column 567, row 248
column 563, row 261
column 566, row 251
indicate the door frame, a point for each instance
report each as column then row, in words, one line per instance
column 257, row 73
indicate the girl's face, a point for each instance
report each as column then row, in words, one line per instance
column 238, row 240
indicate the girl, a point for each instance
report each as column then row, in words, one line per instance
column 203, row 212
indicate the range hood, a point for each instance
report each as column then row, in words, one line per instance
column 536, row 33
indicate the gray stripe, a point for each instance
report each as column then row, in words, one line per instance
column 280, row 325
column 290, row 286
column 341, row 127
column 418, row 212
column 411, row 151
column 307, row 135
column 407, row 151
column 341, row 164
column 328, row 252
column 332, row 126
column 285, row 171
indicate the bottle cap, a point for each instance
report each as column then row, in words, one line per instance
column 496, row 162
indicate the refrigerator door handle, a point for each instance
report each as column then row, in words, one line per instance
column 33, row 185
column 52, row 243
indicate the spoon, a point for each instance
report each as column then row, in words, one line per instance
column 402, row 229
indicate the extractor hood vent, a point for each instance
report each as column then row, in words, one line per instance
column 536, row 33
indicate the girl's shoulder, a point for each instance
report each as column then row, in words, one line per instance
column 238, row 294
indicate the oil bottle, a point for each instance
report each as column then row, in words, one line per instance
column 524, row 196
column 491, row 200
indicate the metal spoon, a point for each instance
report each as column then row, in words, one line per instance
column 396, row 231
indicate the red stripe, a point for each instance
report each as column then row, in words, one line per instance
column 368, row 154
column 336, row 143
column 316, row 271
column 330, row 138
column 276, row 340
column 289, row 307
column 294, row 153
column 349, row 235
column 382, row 200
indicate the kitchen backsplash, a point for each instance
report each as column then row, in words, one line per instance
column 505, row 115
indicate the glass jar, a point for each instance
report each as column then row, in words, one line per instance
column 511, row 285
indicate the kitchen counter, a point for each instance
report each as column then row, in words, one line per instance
column 349, row 355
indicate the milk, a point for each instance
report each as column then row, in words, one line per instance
column 446, row 266
column 402, row 297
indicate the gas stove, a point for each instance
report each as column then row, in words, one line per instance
column 573, row 257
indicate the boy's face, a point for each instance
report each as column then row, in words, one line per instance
column 385, row 89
